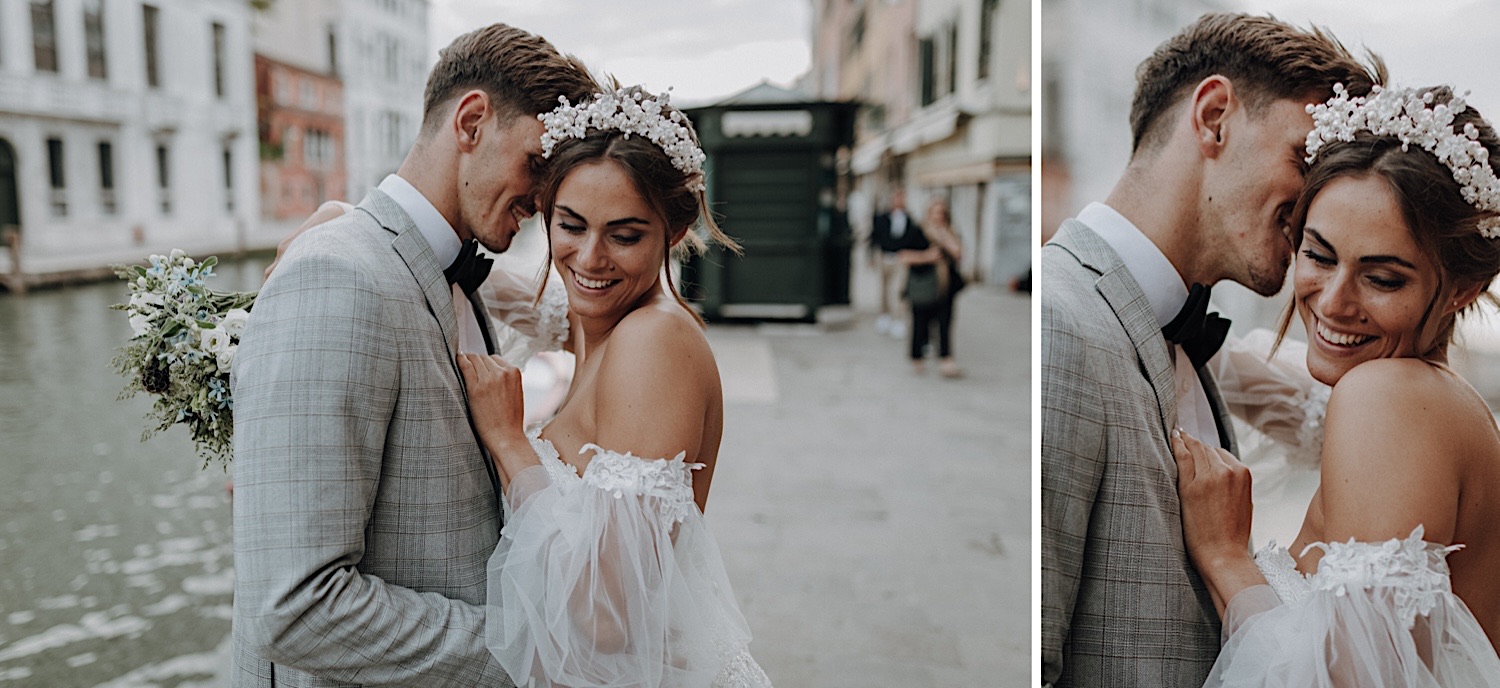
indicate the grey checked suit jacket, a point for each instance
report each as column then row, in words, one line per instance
column 364, row 514
column 1121, row 605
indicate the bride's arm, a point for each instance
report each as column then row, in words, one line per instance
column 496, row 402
column 1213, row 489
column 655, row 391
column 1396, row 434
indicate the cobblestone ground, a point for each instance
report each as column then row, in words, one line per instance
column 876, row 523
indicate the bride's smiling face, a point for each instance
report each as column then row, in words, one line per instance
column 1362, row 284
column 607, row 243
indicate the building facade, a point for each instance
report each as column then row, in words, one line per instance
column 126, row 127
column 299, row 109
column 301, row 119
column 376, row 54
column 383, row 60
column 946, row 91
column 1089, row 55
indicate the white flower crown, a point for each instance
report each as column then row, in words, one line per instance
column 1409, row 115
column 631, row 112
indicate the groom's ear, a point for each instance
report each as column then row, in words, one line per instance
column 1212, row 102
column 469, row 116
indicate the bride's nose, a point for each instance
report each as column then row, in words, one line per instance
column 592, row 254
column 1339, row 297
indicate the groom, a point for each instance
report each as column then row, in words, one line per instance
column 364, row 510
column 1218, row 125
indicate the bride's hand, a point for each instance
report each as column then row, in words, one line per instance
column 328, row 211
column 497, row 403
column 1213, row 488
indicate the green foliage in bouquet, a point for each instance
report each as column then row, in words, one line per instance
column 184, row 339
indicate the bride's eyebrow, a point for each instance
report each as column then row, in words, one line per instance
column 1315, row 236
column 612, row 223
column 1364, row 260
column 572, row 212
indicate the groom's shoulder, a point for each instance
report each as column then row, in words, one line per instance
column 352, row 251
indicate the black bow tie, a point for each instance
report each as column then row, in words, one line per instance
column 1198, row 332
column 470, row 269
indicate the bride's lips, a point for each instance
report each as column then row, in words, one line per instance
column 1340, row 341
column 593, row 286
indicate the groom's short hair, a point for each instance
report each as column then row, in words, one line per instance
column 1266, row 59
column 520, row 71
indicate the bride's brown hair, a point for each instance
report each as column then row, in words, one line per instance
column 1443, row 224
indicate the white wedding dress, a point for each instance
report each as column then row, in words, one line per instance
column 1380, row 614
column 611, row 578
column 1375, row 614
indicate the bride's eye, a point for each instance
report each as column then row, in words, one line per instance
column 1318, row 258
column 1387, row 283
column 571, row 228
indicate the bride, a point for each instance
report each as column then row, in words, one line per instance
column 1391, row 580
column 606, row 573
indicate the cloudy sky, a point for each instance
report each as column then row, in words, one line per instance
column 703, row 49
column 1422, row 41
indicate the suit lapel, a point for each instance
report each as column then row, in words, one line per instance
column 417, row 253
column 1124, row 296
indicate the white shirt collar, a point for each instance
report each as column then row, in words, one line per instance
column 1161, row 283
column 430, row 222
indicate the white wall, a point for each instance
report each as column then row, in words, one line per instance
column 185, row 112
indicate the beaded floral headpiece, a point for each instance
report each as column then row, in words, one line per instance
column 1409, row 115
column 631, row 111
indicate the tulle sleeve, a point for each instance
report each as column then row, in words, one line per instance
column 525, row 326
column 611, row 580
column 1277, row 403
column 1375, row 614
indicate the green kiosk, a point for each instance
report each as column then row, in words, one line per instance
column 773, row 180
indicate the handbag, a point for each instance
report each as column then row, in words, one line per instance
column 956, row 281
column 923, row 289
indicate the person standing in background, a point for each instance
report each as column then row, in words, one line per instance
column 932, row 281
column 890, row 233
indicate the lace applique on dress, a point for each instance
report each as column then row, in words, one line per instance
column 1309, row 450
column 552, row 320
column 621, row 474
column 742, row 672
column 1280, row 570
column 1415, row 570
column 1354, row 623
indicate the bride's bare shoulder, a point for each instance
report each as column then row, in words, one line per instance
column 657, row 382
column 657, row 346
column 1397, row 434
column 1405, row 395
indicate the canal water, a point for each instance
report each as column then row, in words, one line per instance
column 115, row 556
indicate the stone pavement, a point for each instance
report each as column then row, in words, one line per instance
column 876, row 523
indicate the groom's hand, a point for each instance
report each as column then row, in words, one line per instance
column 328, row 211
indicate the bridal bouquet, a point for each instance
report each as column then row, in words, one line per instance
column 184, row 340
